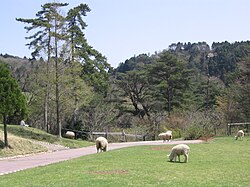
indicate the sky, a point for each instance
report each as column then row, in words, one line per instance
column 121, row 29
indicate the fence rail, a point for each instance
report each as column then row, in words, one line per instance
column 244, row 126
column 111, row 136
column 118, row 136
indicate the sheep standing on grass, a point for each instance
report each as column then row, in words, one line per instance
column 101, row 144
column 181, row 149
column 166, row 136
column 240, row 134
column 70, row 134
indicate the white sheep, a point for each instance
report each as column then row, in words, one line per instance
column 22, row 123
column 240, row 134
column 101, row 144
column 181, row 149
column 166, row 136
column 69, row 134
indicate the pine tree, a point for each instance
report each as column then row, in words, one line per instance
column 50, row 25
column 169, row 78
column 12, row 101
column 94, row 65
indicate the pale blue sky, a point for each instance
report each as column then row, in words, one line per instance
column 120, row 29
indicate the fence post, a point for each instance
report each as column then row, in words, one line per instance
column 229, row 130
column 124, row 135
column 106, row 135
column 228, row 127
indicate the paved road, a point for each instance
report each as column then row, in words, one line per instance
column 10, row 165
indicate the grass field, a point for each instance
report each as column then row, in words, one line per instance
column 220, row 162
column 21, row 141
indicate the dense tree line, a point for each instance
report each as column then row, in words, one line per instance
column 191, row 88
column 193, row 79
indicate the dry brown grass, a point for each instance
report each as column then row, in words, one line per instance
column 18, row 146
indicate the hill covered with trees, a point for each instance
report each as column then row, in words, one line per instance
column 191, row 88
column 185, row 86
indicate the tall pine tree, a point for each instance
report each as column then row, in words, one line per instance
column 49, row 27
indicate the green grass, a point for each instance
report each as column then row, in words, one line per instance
column 39, row 135
column 20, row 140
column 221, row 162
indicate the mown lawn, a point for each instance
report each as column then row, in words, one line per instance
column 220, row 162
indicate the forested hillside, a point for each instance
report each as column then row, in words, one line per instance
column 187, row 86
column 196, row 85
column 192, row 88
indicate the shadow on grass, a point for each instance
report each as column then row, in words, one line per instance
column 1, row 144
column 177, row 162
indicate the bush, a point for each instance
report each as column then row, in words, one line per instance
column 176, row 133
column 193, row 132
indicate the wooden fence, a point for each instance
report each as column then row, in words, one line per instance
column 118, row 136
column 237, row 126
column 111, row 136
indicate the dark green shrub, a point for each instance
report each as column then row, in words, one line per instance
column 193, row 132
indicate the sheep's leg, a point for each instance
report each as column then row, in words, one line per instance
column 179, row 158
column 186, row 157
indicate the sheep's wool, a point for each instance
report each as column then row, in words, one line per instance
column 101, row 144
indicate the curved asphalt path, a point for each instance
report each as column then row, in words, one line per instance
column 14, row 164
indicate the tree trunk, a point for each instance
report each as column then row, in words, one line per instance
column 57, row 84
column 169, row 101
column 6, row 144
column 46, row 124
column 46, row 110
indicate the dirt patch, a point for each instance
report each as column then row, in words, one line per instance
column 206, row 138
column 118, row 172
column 51, row 147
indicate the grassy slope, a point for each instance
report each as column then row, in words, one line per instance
column 20, row 140
column 222, row 162
column 18, row 146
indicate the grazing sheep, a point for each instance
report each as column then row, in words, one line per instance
column 22, row 123
column 181, row 149
column 69, row 134
column 166, row 136
column 240, row 134
column 101, row 144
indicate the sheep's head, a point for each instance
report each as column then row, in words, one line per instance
column 171, row 157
